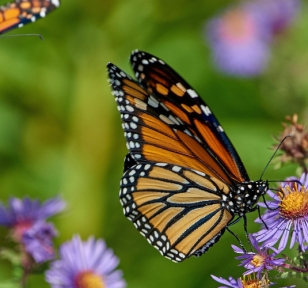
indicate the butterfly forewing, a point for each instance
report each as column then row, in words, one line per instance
column 154, row 133
column 19, row 13
column 176, row 209
column 174, row 92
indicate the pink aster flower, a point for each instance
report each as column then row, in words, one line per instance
column 290, row 217
column 85, row 264
column 238, row 42
column 240, row 37
column 259, row 261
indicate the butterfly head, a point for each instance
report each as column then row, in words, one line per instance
column 245, row 197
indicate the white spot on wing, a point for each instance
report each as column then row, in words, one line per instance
column 192, row 93
column 55, row 2
column 220, row 129
column 161, row 164
column 200, row 173
column 133, row 125
column 153, row 102
column 176, row 168
column 206, row 110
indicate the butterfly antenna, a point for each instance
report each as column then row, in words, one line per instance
column 274, row 154
column 287, row 181
column 23, row 35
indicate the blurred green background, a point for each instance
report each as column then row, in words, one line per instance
column 60, row 131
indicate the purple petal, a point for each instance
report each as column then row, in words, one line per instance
column 275, row 230
column 273, row 195
column 271, row 204
column 284, row 238
column 237, row 249
column 294, row 234
column 302, row 180
column 305, row 229
column 221, row 280
column 254, row 242
column 5, row 217
column 51, row 207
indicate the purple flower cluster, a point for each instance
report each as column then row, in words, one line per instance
column 241, row 36
column 26, row 220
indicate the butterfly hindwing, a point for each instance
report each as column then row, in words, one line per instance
column 161, row 80
column 19, row 13
column 155, row 133
column 178, row 210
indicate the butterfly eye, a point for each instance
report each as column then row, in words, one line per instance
column 263, row 188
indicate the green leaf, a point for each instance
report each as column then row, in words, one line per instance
column 10, row 284
column 11, row 256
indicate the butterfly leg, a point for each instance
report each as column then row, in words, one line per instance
column 272, row 209
column 232, row 223
column 259, row 212
column 238, row 239
column 247, row 236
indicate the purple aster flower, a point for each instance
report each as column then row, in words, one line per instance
column 239, row 42
column 291, row 214
column 85, row 264
column 257, row 262
column 21, row 214
column 249, row 283
column 38, row 241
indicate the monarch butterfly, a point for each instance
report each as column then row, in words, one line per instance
column 22, row 12
column 183, row 181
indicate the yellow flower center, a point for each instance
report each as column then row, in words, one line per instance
column 255, row 283
column 257, row 260
column 294, row 203
column 237, row 25
column 88, row 279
